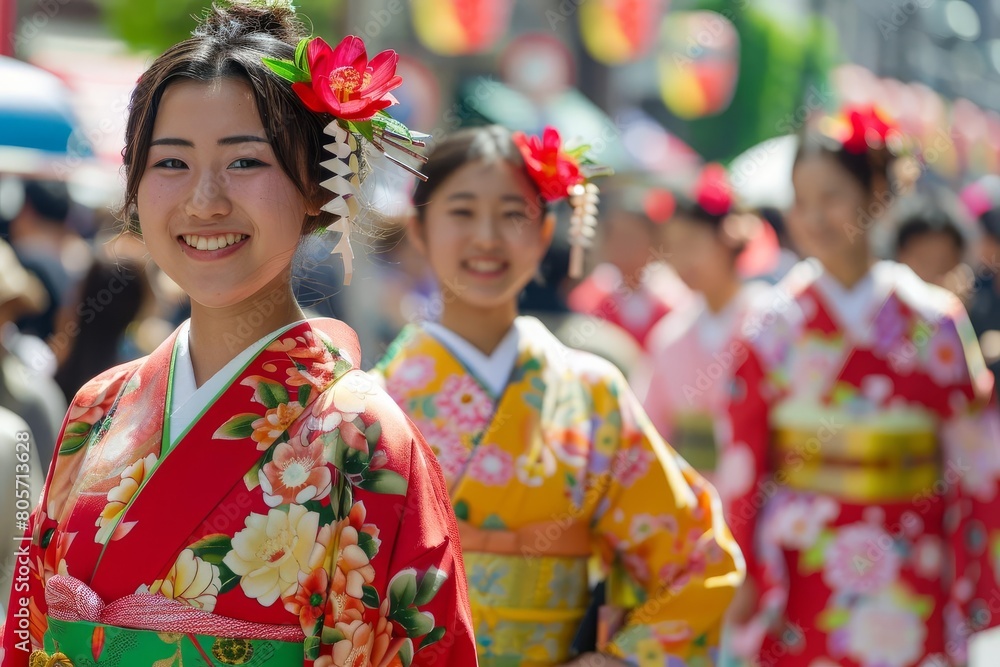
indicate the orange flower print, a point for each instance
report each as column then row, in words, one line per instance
column 269, row 428
column 297, row 474
column 310, row 352
column 354, row 569
column 120, row 496
column 55, row 555
column 309, row 599
column 92, row 399
column 363, row 646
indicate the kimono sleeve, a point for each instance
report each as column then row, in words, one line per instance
column 426, row 566
column 397, row 586
column 662, row 523
column 970, row 433
column 39, row 551
column 743, row 474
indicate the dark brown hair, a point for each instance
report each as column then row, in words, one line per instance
column 229, row 43
column 870, row 169
column 488, row 142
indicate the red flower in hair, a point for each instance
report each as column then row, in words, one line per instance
column 712, row 191
column 867, row 128
column 345, row 83
column 549, row 165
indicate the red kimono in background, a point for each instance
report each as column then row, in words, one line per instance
column 861, row 474
column 300, row 520
column 604, row 295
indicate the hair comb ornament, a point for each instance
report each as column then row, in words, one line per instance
column 344, row 83
column 561, row 173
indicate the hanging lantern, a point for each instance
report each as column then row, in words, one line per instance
column 620, row 31
column 460, row 27
column 698, row 63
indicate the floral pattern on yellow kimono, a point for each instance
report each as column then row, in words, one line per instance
column 562, row 465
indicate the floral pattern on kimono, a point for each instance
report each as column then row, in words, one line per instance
column 568, row 443
column 301, row 499
column 897, row 581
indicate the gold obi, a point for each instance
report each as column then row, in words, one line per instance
column 40, row 658
column 857, row 464
column 693, row 437
column 528, row 591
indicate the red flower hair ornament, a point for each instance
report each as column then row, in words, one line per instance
column 560, row 173
column 860, row 128
column 343, row 82
column 712, row 191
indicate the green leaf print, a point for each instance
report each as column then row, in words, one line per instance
column 303, row 395
column 413, row 621
column 74, row 437
column 833, row 618
column 367, row 544
column 373, row 434
column 237, row 428
column 384, row 481
column 402, row 591
column 813, row 558
column 406, row 654
column 252, row 476
column 311, row 647
column 326, row 512
column 434, row 635
column 213, row 548
column 332, row 635
column 47, row 537
column 462, row 510
column 355, row 462
column 227, row 578
column 429, row 407
column 369, row 597
column 272, row 394
column 346, row 500
column 430, row 584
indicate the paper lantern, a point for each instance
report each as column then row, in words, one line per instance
column 619, row 31
column 698, row 63
column 460, row 27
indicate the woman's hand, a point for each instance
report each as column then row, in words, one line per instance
column 596, row 660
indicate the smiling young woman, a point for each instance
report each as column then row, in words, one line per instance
column 547, row 453
column 236, row 498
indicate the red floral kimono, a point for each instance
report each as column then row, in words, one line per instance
column 301, row 519
column 604, row 295
column 861, row 474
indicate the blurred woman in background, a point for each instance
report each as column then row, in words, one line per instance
column 867, row 498
column 684, row 382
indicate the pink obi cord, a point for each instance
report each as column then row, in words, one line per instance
column 69, row 599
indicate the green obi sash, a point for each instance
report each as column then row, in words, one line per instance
column 85, row 643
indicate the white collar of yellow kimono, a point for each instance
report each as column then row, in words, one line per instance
column 344, row 83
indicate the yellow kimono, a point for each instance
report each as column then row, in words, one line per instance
column 559, row 465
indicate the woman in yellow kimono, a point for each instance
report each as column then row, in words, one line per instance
column 548, row 456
